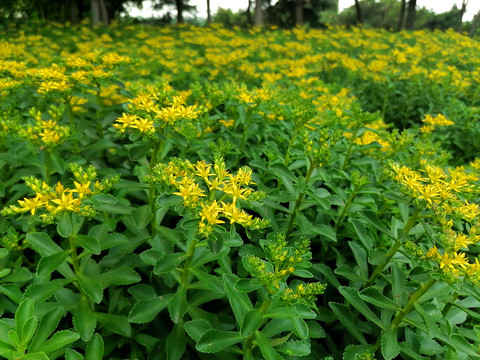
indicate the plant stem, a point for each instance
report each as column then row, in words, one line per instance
column 74, row 255
column 151, row 191
column 48, row 166
column 341, row 217
column 188, row 261
column 395, row 247
column 350, row 146
column 298, row 202
column 245, row 131
column 415, row 297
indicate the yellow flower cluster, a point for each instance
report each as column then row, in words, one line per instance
column 150, row 112
column 439, row 190
column 211, row 195
column 44, row 133
column 51, row 201
column 444, row 194
column 432, row 122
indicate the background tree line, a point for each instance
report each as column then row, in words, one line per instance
column 390, row 14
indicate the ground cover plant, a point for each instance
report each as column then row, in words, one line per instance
column 203, row 193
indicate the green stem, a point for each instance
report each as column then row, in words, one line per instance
column 188, row 261
column 72, row 123
column 158, row 147
column 74, row 255
column 342, row 215
column 415, row 297
column 247, row 352
column 393, row 250
column 287, row 156
column 48, row 166
column 245, row 131
column 298, row 202
column 350, row 146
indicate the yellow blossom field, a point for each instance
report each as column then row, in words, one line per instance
column 190, row 192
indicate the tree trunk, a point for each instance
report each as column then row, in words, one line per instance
column 358, row 10
column 103, row 12
column 475, row 23
column 410, row 22
column 249, row 15
column 402, row 15
column 179, row 11
column 209, row 13
column 299, row 12
column 460, row 15
column 258, row 13
column 95, row 10
column 74, row 11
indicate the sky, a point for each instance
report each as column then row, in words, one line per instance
column 438, row 6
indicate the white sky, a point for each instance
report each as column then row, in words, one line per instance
column 438, row 6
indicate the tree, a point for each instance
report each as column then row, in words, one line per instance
column 474, row 26
column 299, row 12
column 358, row 10
column 179, row 4
column 209, row 13
column 402, row 15
column 258, row 13
column 410, row 22
column 461, row 12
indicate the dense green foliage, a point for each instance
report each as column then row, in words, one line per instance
column 204, row 193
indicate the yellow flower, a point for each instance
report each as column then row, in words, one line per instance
column 211, row 212
column 67, row 203
column 29, row 205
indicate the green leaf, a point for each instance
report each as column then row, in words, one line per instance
column 167, row 263
column 239, row 302
column 59, row 339
column 326, row 231
column 35, row 356
column 277, row 326
column 398, row 284
column 71, row 354
column 12, row 291
column 48, row 264
column 462, row 345
column 299, row 325
column 116, row 323
column 41, row 292
column 84, row 320
column 119, row 276
column 211, row 281
column 246, row 285
column 373, row 220
column 178, row 304
column 89, row 243
column 65, row 226
column 295, row 348
column 43, row 244
column 57, row 162
column 346, row 318
column 141, row 216
column 282, row 171
column 23, row 314
column 28, row 330
column 253, row 320
column 95, row 348
column 20, row 275
column 46, row 327
column 362, row 233
column 360, row 256
column 373, row 296
column 92, row 288
column 217, row 340
column 146, row 310
column 389, row 346
column 329, row 275
column 176, row 342
column 266, row 348
column 196, row 328
column 351, row 295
